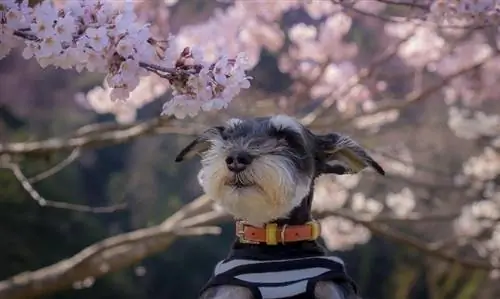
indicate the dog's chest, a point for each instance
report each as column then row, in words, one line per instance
column 279, row 278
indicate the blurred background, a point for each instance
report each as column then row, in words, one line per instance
column 423, row 99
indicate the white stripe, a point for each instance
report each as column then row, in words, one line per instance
column 283, row 291
column 222, row 267
column 282, row 276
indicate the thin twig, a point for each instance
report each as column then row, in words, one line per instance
column 56, row 168
column 352, row 82
column 407, row 4
column 40, row 200
column 406, row 19
column 411, row 98
column 25, row 35
column 415, row 97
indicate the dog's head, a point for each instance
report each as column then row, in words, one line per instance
column 260, row 169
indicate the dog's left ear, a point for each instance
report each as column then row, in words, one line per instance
column 200, row 144
column 339, row 154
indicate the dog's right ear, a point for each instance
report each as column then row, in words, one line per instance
column 339, row 154
column 200, row 144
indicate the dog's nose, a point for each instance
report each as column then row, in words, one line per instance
column 238, row 161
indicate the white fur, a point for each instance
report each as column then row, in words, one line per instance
column 233, row 122
column 276, row 191
column 286, row 122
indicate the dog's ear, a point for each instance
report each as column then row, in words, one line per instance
column 339, row 154
column 200, row 144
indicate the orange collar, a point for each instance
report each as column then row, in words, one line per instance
column 271, row 234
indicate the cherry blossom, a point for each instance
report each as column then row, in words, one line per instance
column 367, row 207
column 401, row 203
column 342, row 234
column 105, row 37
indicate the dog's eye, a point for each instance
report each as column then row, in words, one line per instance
column 286, row 137
column 279, row 134
column 224, row 134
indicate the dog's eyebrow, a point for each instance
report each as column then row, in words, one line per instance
column 286, row 122
column 233, row 122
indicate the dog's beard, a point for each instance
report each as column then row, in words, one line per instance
column 267, row 190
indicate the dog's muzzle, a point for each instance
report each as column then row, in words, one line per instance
column 238, row 161
column 272, row 234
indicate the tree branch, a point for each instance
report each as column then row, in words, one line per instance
column 434, row 217
column 109, row 255
column 386, row 232
column 91, row 137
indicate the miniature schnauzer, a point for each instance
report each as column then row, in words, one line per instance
column 262, row 172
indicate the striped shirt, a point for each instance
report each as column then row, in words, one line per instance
column 284, row 278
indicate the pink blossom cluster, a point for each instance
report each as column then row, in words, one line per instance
column 106, row 37
column 465, row 10
column 220, row 82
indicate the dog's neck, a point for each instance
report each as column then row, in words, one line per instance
column 301, row 214
column 298, row 216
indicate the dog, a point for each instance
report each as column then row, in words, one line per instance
column 262, row 172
